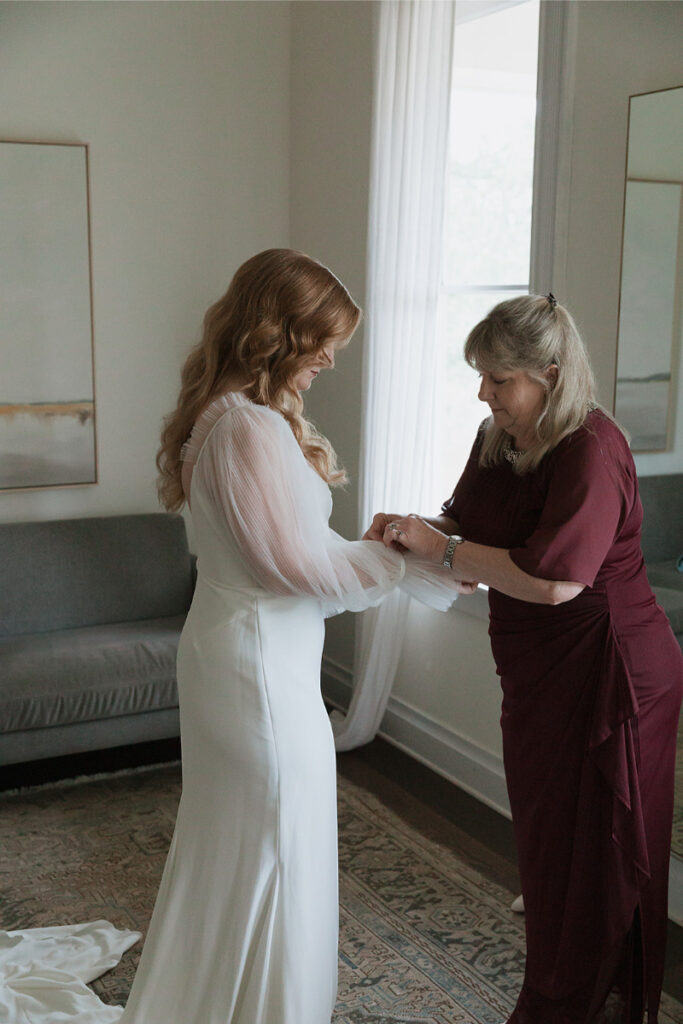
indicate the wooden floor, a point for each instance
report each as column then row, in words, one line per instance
column 424, row 799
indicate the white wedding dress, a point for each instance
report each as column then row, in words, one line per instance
column 244, row 929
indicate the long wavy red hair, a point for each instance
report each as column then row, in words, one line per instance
column 281, row 307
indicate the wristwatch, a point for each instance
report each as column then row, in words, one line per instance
column 453, row 542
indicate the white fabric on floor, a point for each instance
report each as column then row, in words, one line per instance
column 44, row 973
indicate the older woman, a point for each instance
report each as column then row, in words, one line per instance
column 547, row 514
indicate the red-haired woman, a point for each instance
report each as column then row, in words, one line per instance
column 245, row 926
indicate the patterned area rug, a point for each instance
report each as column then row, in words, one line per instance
column 425, row 937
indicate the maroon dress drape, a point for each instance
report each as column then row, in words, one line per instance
column 591, row 695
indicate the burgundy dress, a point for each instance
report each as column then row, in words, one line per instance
column 591, row 696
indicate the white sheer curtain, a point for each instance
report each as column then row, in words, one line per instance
column 552, row 161
column 413, row 57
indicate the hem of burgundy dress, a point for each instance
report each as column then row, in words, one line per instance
column 616, row 993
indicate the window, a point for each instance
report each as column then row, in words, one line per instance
column 487, row 234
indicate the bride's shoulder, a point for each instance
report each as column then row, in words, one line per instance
column 247, row 422
column 211, row 423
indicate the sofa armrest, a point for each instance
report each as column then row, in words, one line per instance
column 664, row 574
column 671, row 601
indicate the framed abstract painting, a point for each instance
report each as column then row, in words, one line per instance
column 47, row 395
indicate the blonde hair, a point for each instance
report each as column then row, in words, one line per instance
column 280, row 309
column 533, row 333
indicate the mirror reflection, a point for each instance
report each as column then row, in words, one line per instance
column 650, row 324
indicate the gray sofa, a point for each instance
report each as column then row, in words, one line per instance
column 662, row 540
column 90, row 616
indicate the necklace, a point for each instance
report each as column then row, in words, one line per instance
column 510, row 453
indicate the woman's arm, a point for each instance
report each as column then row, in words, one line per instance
column 492, row 566
column 444, row 524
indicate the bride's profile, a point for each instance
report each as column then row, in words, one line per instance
column 244, row 929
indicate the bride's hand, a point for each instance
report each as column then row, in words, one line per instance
column 379, row 525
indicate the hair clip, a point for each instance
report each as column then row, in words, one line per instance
column 551, row 299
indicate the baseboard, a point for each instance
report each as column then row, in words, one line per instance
column 454, row 757
column 440, row 748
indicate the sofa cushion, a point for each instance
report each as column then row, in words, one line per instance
column 667, row 584
column 672, row 603
column 82, row 572
column 662, row 533
column 665, row 574
column 80, row 675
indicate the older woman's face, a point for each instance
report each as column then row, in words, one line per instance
column 516, row 401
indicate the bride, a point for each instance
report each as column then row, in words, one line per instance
column 244, row 930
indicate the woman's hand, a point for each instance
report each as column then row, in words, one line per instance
column 379, row 525
column 410, row 533
column 466, row 587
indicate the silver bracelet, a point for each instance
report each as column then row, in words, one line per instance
column 453, row 542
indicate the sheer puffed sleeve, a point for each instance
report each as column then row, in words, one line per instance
column 276, row 508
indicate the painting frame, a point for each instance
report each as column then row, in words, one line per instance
column 48, row 422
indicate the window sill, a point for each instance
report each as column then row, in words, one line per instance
column 475, row 605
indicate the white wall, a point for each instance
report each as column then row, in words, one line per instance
column 185, row 108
